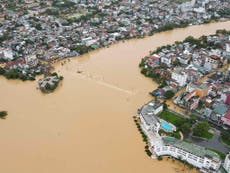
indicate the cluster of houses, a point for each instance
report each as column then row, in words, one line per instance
column 35, row 33
column 210, row 99
column 49, row 83
column 200, row 157
column 188, row 61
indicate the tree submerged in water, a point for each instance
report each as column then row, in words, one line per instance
column 3, row 114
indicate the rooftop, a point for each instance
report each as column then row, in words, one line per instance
column 227, row 115
column 191, row 148
column 221, row 109
column 147, row 112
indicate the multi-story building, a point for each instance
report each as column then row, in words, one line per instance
column 227, row 163
column 147, row 116
column 193, row 154
column 180, row 77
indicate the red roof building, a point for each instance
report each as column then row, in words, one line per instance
column 226, row 118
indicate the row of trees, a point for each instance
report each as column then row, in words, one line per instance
column 15, row 74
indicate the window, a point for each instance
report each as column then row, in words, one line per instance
column 165, row 148
column 201, row 161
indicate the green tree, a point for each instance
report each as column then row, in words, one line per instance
column 3, row 114
column 165, row 106
column 185, row 128
column 169, row 94
column 2, row 71
column 201, row 129
column 225, row 137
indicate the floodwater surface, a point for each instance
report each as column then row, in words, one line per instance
column 86, row 125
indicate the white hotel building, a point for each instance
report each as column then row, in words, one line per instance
column 227, row 163
column 148, row 116
column 195, row 155
column 198, row 156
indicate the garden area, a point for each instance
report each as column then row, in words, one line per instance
column 183, row 124
column 201, row 130
column 175, row 134
column 225, row 137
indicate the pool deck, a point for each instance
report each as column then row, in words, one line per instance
column 170, row 124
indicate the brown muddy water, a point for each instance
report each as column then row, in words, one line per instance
column 86, row 125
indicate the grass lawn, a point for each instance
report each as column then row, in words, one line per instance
column 206, row 135
column 170, row 117
column 225, row 141
column 175, row 134
column 222, row 155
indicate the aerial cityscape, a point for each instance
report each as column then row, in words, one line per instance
column 115, row 86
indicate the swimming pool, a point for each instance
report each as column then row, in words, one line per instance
column 167, row 126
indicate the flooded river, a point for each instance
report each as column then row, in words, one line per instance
column 86, row 125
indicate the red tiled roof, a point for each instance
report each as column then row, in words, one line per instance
column 214, row 57
column 16, row 62
column 188, row 96
column 227, row 115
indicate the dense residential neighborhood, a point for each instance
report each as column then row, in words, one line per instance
column 188, row 118
column 32, row 32
column 195, row 76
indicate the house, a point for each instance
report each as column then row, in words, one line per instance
column 219, row 111
column 180, row 77
column 213, row 60
column 189, row 95
column 226, row 118
column 194, row 103
column 48, row 83
column 166, row 60
column 206, row 112
column 227, row 45
column 225, row 97
column 31, row 60
column 193, row 154
column 154, row 61
column 7, row 54
column 16, row 63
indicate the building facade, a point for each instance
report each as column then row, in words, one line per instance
column 227, row 163
column 148, row 116
column 179, row 77
column 193, row 154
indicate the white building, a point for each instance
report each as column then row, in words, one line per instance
column 7, row 54
column 227, row 163
column 31, row 60
column 180, row 77
column 195, row 155
column 227, row 47
column 148, row 116
column 199, row 10
column 166, row 60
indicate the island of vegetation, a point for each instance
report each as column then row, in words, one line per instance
column 3, row 114
column 49, row 83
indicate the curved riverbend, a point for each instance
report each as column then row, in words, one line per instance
column 86, row 124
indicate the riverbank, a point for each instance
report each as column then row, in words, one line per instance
column 86, row 124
